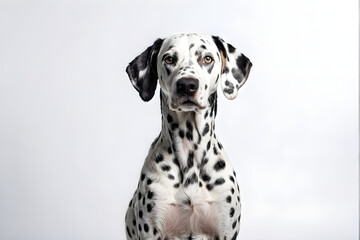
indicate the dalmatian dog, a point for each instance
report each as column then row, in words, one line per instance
column 187, row 187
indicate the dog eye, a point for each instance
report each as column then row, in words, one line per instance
column 208, row 59
column 169, row 60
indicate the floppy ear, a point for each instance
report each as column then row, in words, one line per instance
column 235, row 68
column 142, row 71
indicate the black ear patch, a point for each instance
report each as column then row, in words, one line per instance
column 244, row 64
column 142, row 71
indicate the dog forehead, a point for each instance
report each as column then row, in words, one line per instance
column 187, row 42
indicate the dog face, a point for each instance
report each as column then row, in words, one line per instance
column 189, row 68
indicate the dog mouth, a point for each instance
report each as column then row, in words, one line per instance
column 189, row 103
column 186, row 103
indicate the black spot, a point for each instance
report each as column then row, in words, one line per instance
column 228, row 199
column 142, row 177
column 189, row 126
column 200, row 184
column 174, row 126
column 226, row 70
column 191, row 180
column 203, row 46
column 139, row 195
column 134, row 222
column 219, row 181
column 212, row 100
column 229, row 90
column 236, row 74
column 190, row 160
column 149, row 181
column 209, row 186
column 143, row 201
column 206, row 129
column 199, row 138
column 171, row 177
column 130, row 203
column 191, row 45
column 177, row 185
column 176, row 161
column 219, row 145
column 232, row 179
column 169, row 150
column 206, row 86
column 150, row 195
column 166, row 168
column 146, row 227
column 140, row 214
column 155, row 231
column 231, row 48
column 169, row 118
column 208, row 145
column 215, row 150
column 206, row 114
column 149, row 207
column 205, row 177
column 202, row 40
column 232, row 211
column 234, row 224
column 238, row 198
column 128, row 231
column 189, row 136
column 235, row 236
column 139, row 227
column 181, row 133
column 159, row 158
column 232, row 190
column 204, row 161
column 219, row 165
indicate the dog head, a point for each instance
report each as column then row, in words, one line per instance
column 189, row 68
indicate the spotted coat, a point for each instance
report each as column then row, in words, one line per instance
column 187, row 187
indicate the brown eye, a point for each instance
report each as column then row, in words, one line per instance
column 169, row 60
column 208, row 59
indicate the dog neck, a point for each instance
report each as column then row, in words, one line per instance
column 189, row 134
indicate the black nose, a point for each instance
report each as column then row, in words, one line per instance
column 187, row 86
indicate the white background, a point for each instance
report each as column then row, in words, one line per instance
column 74, row 132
